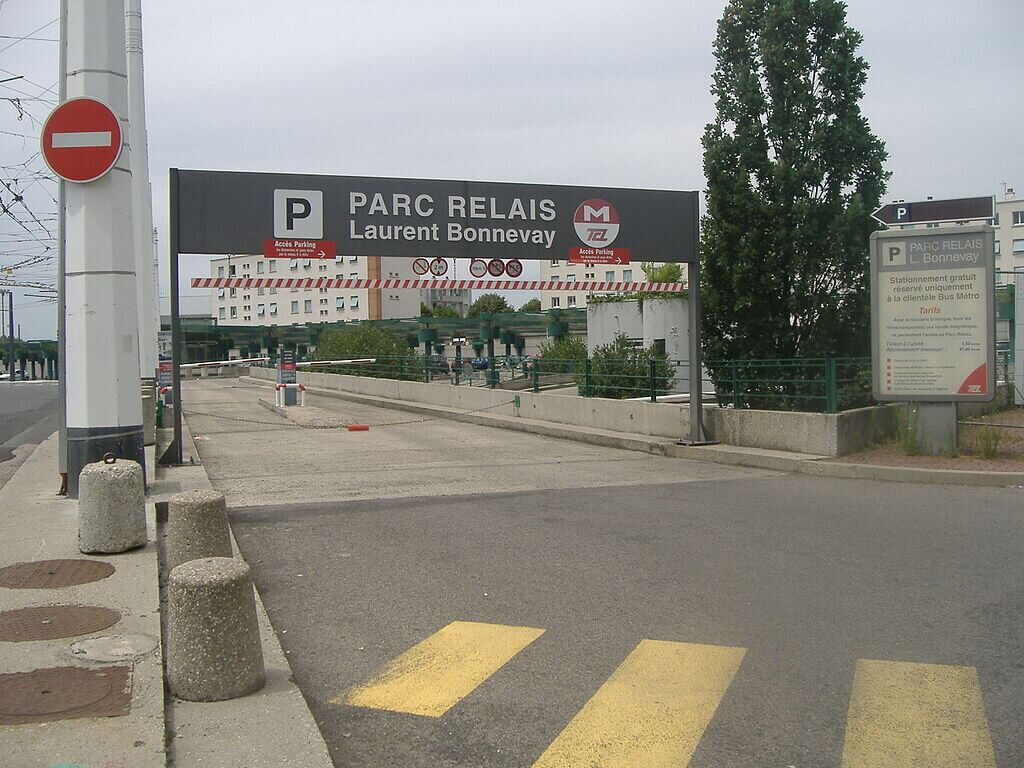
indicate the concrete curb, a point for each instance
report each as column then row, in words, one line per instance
column 780, row 461
column 273, row 726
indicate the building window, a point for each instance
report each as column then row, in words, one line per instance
column 627, row 275
column 609, row 277
column 353, row 259
column 323, row 290
column 353, row 275
column 231, row 270
column 273, row 310
column 555, row 301
column 571, row 278
column 247, row 307
column 323, row 302
column 307, row 263
column 259, row 291
column 272, row 267
column 220, row 294
column 234, row 312
column 353, row 301
column 293, row 264
column 307, row 306
column 247, row 318
column 1018, row 246
column 339, row 303
column 588, row 276
column 322, row 268
column 273, row 291
column 572, row 301
column 259, row 267
column 323, row 313
column 246, row 296
column 221, row 313
column 1018, row 218
column 234, row 292
column 295, row 307
column 554, row 262
column 554, row 278
column 261, row 309
column 997, row 247
column 931, row 226
column 220, row 271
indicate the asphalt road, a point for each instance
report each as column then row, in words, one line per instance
column 28, row 414
column 799, row 621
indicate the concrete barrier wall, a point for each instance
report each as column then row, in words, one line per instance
column 653, row 419
column 823, row 434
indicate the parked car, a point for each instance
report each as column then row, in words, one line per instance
column 479, row 363
column 439, row 364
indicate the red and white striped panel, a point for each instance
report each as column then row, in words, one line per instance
column 586, row 286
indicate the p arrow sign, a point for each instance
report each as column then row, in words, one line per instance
column 937, row 211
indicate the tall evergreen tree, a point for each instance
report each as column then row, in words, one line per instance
column 793, row 174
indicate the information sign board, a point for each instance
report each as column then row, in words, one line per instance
column 286, row 367
column 933, row 314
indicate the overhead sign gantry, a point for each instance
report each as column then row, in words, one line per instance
column 221, row 212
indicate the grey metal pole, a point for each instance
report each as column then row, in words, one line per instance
column 62, row 393
column 697, row 434
column 172, row 243
column 10, row 333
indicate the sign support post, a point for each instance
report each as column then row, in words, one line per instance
column 173, row 454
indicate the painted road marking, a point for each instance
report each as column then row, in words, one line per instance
column 81, row 139
column 651, row 712
column 433, row 676
column 927, row 715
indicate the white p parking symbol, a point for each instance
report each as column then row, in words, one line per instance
column 299, row 213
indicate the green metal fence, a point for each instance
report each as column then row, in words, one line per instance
column 825, row 385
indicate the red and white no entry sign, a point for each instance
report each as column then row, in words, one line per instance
column 420, row 266
column 81, row 140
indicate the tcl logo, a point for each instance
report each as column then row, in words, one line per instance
column 596, row 222
column 974, row 389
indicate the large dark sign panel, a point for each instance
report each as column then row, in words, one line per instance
column 233, row 212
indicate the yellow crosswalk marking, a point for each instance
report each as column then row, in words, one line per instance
column 651, row 712
column 921, row 715
column 433, row 676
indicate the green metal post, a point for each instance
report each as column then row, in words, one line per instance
column 831, row 393
column 586, row 378
column 735, row 385
column 536, row 377
column 651, row 373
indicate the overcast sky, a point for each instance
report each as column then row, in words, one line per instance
column 599, row 92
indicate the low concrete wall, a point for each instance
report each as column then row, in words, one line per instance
column 653, row 419
column 822, row 434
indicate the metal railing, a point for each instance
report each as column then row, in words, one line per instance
column 827, row 384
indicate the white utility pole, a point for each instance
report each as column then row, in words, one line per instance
column 142, row 199
column 104, row 406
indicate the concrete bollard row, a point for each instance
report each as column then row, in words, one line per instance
column 111, row 506
column 197, row 526
column 213, row 638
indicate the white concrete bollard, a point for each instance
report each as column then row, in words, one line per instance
column 213, row 638
column 111, row 506
column 197, row 526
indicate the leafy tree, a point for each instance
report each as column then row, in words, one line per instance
column 488, row 304
column 793, row 173
column 533, row 305
column 666, row 273
column 394, row 359
column 441, row 310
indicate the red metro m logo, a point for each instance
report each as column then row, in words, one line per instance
column 596, row 222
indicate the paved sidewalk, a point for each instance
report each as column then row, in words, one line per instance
column 270, row 728
column 38, row 525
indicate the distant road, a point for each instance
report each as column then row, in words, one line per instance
column 28, row 414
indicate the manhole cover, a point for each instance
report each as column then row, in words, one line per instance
column 53, row 574
column 64, row 693
column 53, row 621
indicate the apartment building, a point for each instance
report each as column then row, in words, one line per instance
column 292, row 306
column 561, row 270
column 1009, row 224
